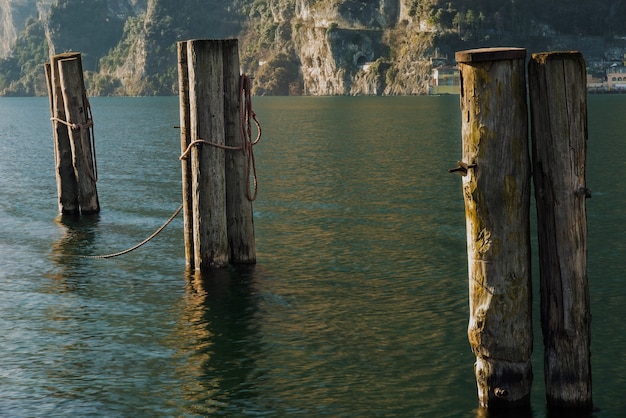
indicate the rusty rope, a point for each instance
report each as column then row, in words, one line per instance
column 246, row 116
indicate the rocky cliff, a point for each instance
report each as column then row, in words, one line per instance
column 290, row 46
column 13, row 17
column 313, row 47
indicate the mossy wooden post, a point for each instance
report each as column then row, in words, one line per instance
column 238, row 206
column 206, row 99
column 496, row 189
column 185, row 140
column 558, row 103
column 78, row 117
column 67, row 187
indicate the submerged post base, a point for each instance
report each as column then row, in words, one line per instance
column 503, row 384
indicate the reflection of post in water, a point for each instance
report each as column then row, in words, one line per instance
column 77, row 240
column 219, row 336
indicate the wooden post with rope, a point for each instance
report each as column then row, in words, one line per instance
column 78, row 117
column 206, row 104
column 75, row 161
column 216, row 158
column 558, row 104
column 67, row 187
column 496, row 189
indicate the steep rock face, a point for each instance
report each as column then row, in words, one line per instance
column 91, row 27
column 13, row 16
column 128, row 72
column 144, row 60
column 409, row 73
column 337, row 41
column 350, row 13
column 331, row 57
column 314, row 47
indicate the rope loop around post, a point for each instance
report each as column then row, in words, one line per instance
column 85, row 129
column 246, row 116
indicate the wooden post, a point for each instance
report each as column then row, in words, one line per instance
column 185, row 140
column 67, row 187
column 219, row 227
column 206, row 98
column 558, row 103
column 238, row 206
column 78, row 118
column 496, row 189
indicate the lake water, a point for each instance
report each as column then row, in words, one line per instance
column 357, row 305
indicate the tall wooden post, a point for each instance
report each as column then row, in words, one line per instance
column 219, row 228
column 496, row 189
column 206, row 98
column 73, row 153
column 78, row 118
column 185, row 141
column 67, row 187
column 238, row 206
column 558, row 103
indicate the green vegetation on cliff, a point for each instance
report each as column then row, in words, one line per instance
column 294, row 46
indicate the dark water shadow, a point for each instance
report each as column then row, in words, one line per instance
column 528, row 412
column 78, row 236
column 521, row 412
column 553, row 412
column 219, row 335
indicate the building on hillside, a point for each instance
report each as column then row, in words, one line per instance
column 445, row 80
column 616, row 78
column 595, row 83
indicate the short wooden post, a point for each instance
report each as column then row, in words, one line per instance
column 206, row 98
column 558, row 103
column 67, row 187
column 79, row 120
column 496, row 189
column 238, row 206
column 185, row 140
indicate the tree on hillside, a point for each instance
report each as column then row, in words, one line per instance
column 84, row 26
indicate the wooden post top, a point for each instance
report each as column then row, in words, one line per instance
column 67, row 55
column 543, row 57
column 490, row 54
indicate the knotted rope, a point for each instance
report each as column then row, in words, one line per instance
column 246, row 116
column 87, row 142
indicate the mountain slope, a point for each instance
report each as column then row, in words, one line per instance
column 316, row 47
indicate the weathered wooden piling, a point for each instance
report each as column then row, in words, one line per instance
column 74, row 151
column 77, row 113
column 67, row 187
column 558, row 103
column 206, row 98
column 214, row 161
column 185, row 141
column 238, row 205
column 496, row 189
